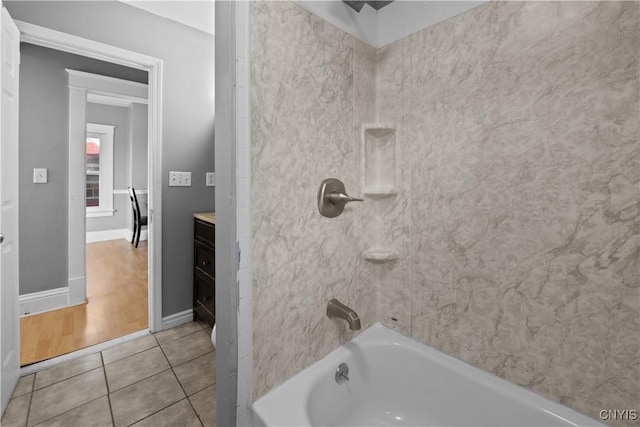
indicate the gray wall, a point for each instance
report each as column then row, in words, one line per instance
column 44, row 123
column 188, row 116
column 118, row 117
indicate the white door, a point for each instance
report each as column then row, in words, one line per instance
column 9, row 322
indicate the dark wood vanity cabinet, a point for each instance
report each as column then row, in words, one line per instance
column 204, row 267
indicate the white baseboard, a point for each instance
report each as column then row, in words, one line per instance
column 38, row 302
column 177, row 319
column 144, row 234
column 101, row 236
column 77, row 290
column 123, row 233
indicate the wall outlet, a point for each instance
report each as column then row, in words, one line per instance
column 39, row 176
column 211, row 179
column 179, row 179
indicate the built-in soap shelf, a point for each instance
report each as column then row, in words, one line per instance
column 379, row 159
column 380, row 255
column 379, row 180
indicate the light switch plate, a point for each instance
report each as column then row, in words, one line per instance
column 211, row 179
column 39, row 176
column 179, row 179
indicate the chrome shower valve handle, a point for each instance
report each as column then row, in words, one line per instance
column 332, row 197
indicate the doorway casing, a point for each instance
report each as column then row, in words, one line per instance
column 57, row 40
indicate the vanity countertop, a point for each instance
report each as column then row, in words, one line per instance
column 209, row 217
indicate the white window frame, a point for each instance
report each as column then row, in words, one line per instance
column 105, row 134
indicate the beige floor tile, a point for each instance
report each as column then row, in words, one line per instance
column 16, row 413
column 135, row 368
column 144, row 398
column 61, row 397
column 187, row 348
column 129, row 348
column 179, row 414
column 25, row 385
column 67, row 370
column 197, row 374
column 205, row 326
column 94, row 414
column 204, row 403
column 178, row 332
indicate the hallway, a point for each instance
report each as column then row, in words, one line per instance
column 117, row 293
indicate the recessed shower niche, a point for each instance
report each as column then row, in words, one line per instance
column 379, row 183
column 379, row 160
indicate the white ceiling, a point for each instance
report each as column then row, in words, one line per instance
column 391, row 23
column 198, row 14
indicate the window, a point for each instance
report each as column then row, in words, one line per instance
column 99, row 170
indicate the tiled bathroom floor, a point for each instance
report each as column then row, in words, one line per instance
column 164, row 379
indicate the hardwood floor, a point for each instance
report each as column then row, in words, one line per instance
column 117, row 294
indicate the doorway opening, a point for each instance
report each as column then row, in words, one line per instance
column 113, row 287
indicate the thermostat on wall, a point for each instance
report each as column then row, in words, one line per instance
column 39, row 176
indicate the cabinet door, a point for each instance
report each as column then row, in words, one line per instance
column 205, row 233
column 204, row 296
column 205, row 259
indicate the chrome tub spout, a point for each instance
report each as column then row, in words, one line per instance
column 337, row 309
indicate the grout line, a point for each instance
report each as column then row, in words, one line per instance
column 181, row 386
column 106, row 381
column 174, row 375
column 67, row 411
column 133, row 354
column 180, row 337
column 65, row 379
column 191, row 360
column 142, row 379
column 150, row 415
column 26, row 422
column 194, row 409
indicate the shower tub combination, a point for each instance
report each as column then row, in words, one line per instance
column 382, row 378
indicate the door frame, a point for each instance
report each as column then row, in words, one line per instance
column 9, row 264
column 65, row 42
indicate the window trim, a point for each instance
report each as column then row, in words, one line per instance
column 105, row 205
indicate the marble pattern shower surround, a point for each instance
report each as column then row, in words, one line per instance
column 303, row 112
column 517, row 219
column 522, row 138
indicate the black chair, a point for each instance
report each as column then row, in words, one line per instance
column 138, row 220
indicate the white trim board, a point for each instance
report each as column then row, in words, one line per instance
column 144, row 235
column 39, row 302
column 122, row 233
column 103, row 235
column 177, row 319
column 109, row 86
column 126, row 192
column 46, row 37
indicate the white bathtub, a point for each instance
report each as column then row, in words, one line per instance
column 395, row 381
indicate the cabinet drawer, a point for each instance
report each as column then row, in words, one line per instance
column 205, row 232
column 204, row 314
column 205, row 293
column 205, row 259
